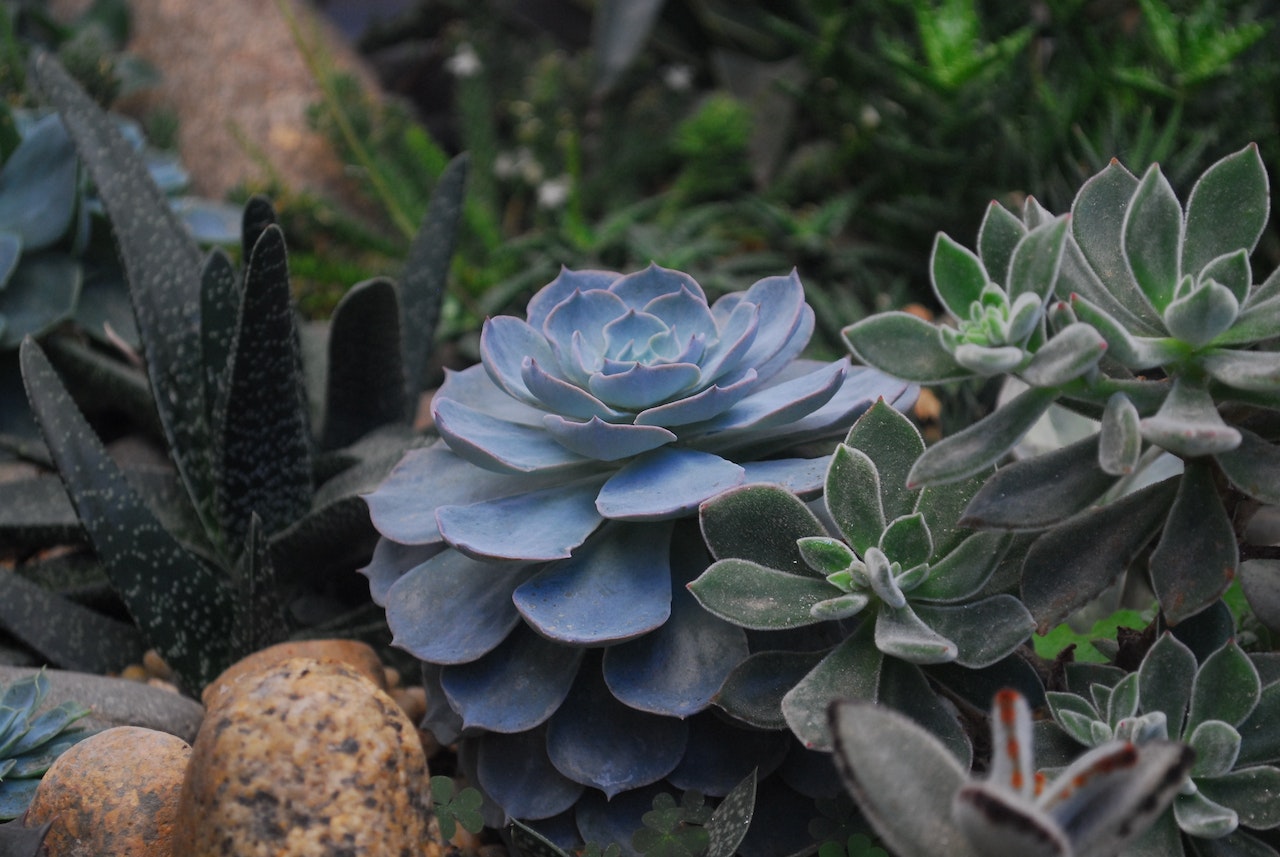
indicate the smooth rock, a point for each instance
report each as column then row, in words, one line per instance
column 306, row 758
column 359, row 656
column 114, row 793
column 118, row 702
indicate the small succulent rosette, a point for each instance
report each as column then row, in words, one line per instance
column 535, row 558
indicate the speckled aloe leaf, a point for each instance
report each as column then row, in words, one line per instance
column 890, row 440
column 183, row 607
column 1196, row 558
column 982, row 444
column 728, row 824
column 904, row 346
column 36, row 512
column 1042, row 491
column 595, row 740
column 18, row 840
column 42, row 292
column 883, row 758
column 162, row 263
column 68, row 634
column 264, row 454
column 366, row 387
column 1073, row 563
column 759, row 523
column 422, row 285
column 850, row 671
column 259, row 619
column 1227, row 209
column 219, row 308
column 1152, row 236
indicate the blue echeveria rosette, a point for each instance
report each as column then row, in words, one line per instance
column 536, row 554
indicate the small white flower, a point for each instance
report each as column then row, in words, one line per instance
column 554, row 193
column 465, row 62
column 678, row 77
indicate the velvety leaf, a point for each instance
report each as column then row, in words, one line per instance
column 162, row 263
column 964, row 571
column 755, row 596
column 957, row 275
column 983, row 631
column 982, row 444
column 1232, row 270
column 265, row 450
column 900, row 633
column 987, row 361
column 883, row 758
column 1196, row 558
column 1202, row 818
column 1227, row 209
column 905, row 688
column 424, row 281
column 515, row 771
column 1260, row 580
column 422, row 607
column 891, row 441
column 181, row 606
column 1202, row 315
column 1250, row 792
column 574, row 600
column 597, row 741
column 906, row 540
column 753, row 691
column 998, row 235
column 1073, row 351
column 1120, row 437
column 759, row 523
column 514, row 687
column 1153, row 237
column 1039, row 492
column 42, row 292
column 944, row 505
column 66, row 633
column 850, row 671
column 905, row 346
column 1127, row 349
column 1036, row 260
column 1188, row 423
column 1259, row 739
column 1165, row 678
column 366, row 386
column 1256, row 322
column 853, row 498
column 1073, row 563
column 1226, row 688
column 1217, row 745
column 1245, row 370
column 535, row 526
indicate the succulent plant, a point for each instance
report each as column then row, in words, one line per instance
column 923, row 802
column 899, row 586
column 29, row 742
column 1217, row 707
column 1158, row 331
column 540, row 544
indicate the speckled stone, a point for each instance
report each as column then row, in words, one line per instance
column 114, row 793
column 360, row 656
column 306, row 758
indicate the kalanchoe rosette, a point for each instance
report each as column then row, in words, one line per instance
column 542, row 524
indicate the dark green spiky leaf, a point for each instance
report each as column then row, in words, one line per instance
column 753, row 691
column 754, row 596
column 998, row 235
column 102, row 383
column 422, row 286
column 366, row 387
column 1039, row 492
column 1226, row 688
column 36, row 512
column 850, row 671
column 18, row 840
column 258, row 214
column 182, row 607
column 1153, row 237
column 890, row 440
column 163, row 265
column 219, row 308
column 904, row 346
column 982, row 444
column 1227, row 209
column 1196, row 558
column 1165, row 678
column 42, row 292
column 853, row 498
column 68, row 634
column 1037, row 259
column 1074, row 562
column 259, row 619
column 531, row 842
column 728, row 825
column 265, row 449
column 957, row 275
column 760, row 523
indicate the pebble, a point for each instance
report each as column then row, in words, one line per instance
column 305, row 758
column 359, row 656
column 113, row 793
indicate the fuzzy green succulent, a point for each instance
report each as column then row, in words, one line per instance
column 29, row 742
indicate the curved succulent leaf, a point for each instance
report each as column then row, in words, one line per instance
column 535, row 526
column 906, row 540
column 904, row 346
column 998, row 235
column 38, row 185
column 853, row 497
column 1188, row 423
column 759, row 523
column 957, row 274
column 1260, row 580
column 41, row 294
column 515, row 771
column 1232, row 270
column 851, row 671
column 1226, row 688
column 1217, row 745
column 1127, row 349
column 1042, row 491
column 983, row 631
column 1202, row 818
column 754, row 596
column 1120, row 437
column 1164, row 680
column 902, row 634
column 963, row 571
column 666, row 483
column 1245, row 370
column 1071, row 352
column 1227, row 209
column 1152, row 236
column 1037, row 259
column 753, row 691
column 1199, row 317
column 889, row 439
column 220, row 298
column 1250, row 792
column 1196, row 558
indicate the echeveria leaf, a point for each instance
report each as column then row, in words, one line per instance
column 1074, row 562
column 1039, row 492
column 666, row 483
column 534, row 526
column 1188, row 423
column 182, row 606
column 1250, row 792
column 998, row 235
column 881, row 755
column 1037, row 258
column 889, row 439
column 1226, row 688
column 515, row 771
column 366, row 385
column 982, row 444
column 1227, row 209
column 853, row 498
column 850, row 671
column 1071, row 352
column 1200, row 316
column 1196, row 558
column 1164, row 680
column 983, row 631
column 721, row 752
column 754, row 596
column 957, row 275
column 265, row 449
column 759, row 523
column 38, row 185
column 1152, row 235
column 67, row 633
column 904, row 346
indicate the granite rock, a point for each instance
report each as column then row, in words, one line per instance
column 359, row 656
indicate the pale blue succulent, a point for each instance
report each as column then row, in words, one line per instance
column 543, row 526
